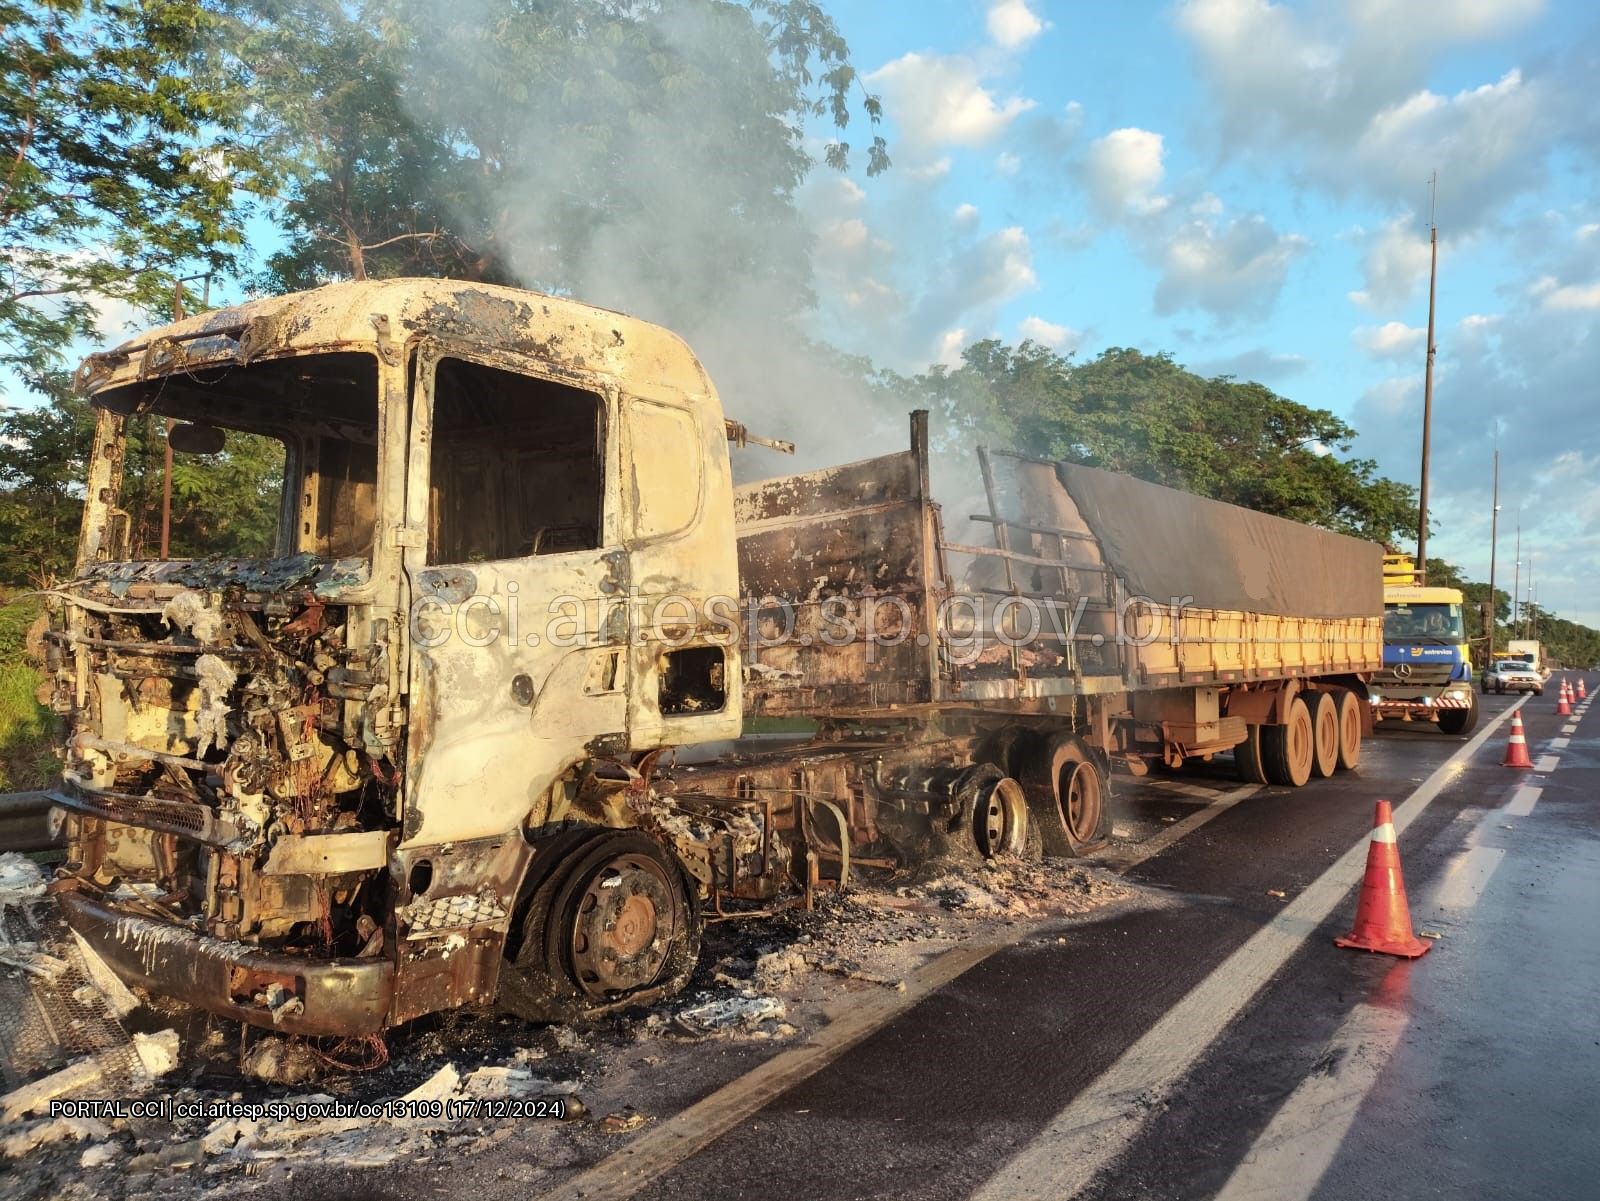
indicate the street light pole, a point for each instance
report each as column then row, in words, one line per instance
column 1494, row 540
column 1427, row 384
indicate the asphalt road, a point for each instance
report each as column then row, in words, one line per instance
column 1218, row 1045
column 1139, row 1058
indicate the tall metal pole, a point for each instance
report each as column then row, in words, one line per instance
column 1494, row 541
column 1427, row 384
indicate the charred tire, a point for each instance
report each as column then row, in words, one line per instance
column 1459, row 721
column 1288, row 751
column 1007, row 749
column 615, row 924
column 1349, row 731
column 1066, row 790
column 994, row 811
column 1325, row 730
column 1247, row 757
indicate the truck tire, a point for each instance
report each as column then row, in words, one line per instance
column 1066, row 791
column 1349, row 731
column 1247, row 757
column 1288, row 751
column 591, row 947
column 1459, row 721
column 1325, row 731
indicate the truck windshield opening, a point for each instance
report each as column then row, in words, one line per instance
column 276, row 458
column 1423, row 621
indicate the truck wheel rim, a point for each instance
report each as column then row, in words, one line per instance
column 1080, row 802
column 623, row 925
column 1000, row 819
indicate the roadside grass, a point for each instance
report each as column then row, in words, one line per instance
column 28, row 730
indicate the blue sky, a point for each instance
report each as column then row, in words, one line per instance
column 1245, row 185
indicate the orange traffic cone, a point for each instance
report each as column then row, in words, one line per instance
column 1383, row 918
column 1583, row 692
column 1517, row 748
column 1563, row 705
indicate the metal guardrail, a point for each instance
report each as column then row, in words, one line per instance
column 25, row 822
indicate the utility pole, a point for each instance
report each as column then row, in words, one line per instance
column 1427, row 381
column 1494, row 539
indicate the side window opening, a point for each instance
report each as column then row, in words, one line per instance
column 692, row 680
column 516, row 466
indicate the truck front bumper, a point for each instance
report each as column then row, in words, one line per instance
column 337, row 996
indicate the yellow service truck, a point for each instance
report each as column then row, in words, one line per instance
column 471, row 731
column 1427, row 664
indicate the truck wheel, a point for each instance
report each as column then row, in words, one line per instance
column 1459, row 721
column 1349, row 731
column 994, row 810
column 1066, row 794
column 1325, row 733
column 1288, row 751
column 1247, row 757
column 616, row 924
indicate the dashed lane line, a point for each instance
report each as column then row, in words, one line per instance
column 1103, row 1120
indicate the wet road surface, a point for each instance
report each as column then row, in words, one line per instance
column 1219, row 1045
column 1472, row 1071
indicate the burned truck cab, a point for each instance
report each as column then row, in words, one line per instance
column 307, row 788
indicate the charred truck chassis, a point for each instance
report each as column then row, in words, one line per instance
column 337, row 788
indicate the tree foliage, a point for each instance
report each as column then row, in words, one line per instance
column 223, row 504
column 604, row 146
column 114, row 164
column 1147, row 416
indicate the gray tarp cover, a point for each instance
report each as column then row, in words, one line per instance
column 1166, row 543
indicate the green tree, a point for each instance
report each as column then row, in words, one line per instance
column 1147, row 416
column 114, row 164
column 223, row 504
column 606, row 147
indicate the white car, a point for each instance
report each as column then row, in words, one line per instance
column 1512, row 675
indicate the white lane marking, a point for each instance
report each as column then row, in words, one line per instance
column 1303, row 1137
column 1522, row 801
column 1466, row 876
column 1182, row 788
column 1290, row 1157
column 1560, row 744
column 1546, row 763
column 1102, row 1120
column 1570, row 728
column 1163, row 840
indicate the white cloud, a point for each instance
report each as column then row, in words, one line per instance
column 1007, row 163
column 1012, row 24
column 1230, row 269
column 1463, row 20
column 1396, row 261
column 965, row 216
column 843, row 236
column 1393, row 339
column 1060, row 338
column 941, row 100
column 937, row 169
column 1123, row 171
column 1339, row 92
column 1570, row 297
column 948, row 348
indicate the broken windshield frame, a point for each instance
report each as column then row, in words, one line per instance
column 298, row 473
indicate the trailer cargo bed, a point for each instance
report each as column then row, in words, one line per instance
column 1091, row 583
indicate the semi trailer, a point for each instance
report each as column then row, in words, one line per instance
column 473, row 731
